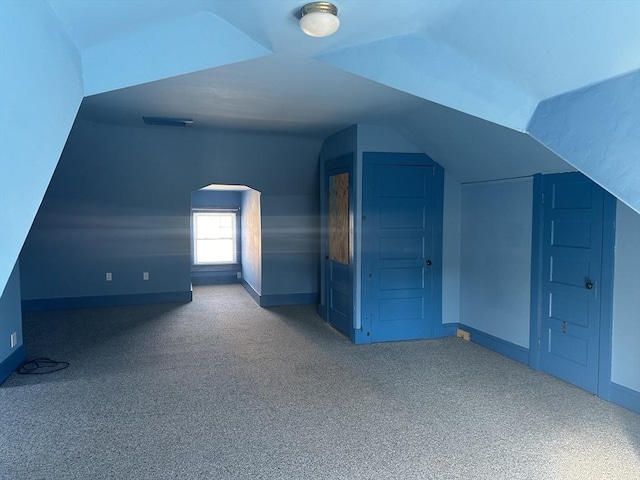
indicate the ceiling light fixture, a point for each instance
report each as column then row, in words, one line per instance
column 319, row 19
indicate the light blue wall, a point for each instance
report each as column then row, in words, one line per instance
column 495, row 276
column 451, row 237
column 10, row 316
column 625, row 361
column 597, row 130
column 120, row 202
column 252, row 240
column 41, row 89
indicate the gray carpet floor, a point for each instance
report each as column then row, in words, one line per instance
column 223, row 389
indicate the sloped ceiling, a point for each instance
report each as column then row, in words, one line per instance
column 492, row 60
column 439, row 71
column 487, row 65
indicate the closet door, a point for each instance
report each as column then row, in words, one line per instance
column 399, row 245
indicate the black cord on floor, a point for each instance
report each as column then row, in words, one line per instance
column 40, row 366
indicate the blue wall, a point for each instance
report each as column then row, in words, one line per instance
column 41, row 90
column 597, row 130
column 10, row 321
column 496, row 258
column 216, row 198
column 625, row 361
column 120, row 202
column 451, row 237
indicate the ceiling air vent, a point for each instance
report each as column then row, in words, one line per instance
column 168, row 121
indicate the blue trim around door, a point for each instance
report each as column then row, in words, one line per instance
column 606, row 295
column 536, row 273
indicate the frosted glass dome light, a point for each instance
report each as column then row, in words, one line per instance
column 319, row 19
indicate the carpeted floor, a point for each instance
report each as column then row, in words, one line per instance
column 223, row 389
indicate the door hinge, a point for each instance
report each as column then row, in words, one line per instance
column 538, row 343
column 543, row 198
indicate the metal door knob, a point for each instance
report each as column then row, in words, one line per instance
column 588, row 285
column 428, row 263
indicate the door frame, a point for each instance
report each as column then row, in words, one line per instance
column 606, row 282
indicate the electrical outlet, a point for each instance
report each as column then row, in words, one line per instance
column 239, row 274
column 108, row 276
column 463, row 334
column 14, row 339
column 145, row 275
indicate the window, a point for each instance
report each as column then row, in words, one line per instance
column 214, row 237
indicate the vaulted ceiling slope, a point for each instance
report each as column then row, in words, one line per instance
column 466, row 80
column 495, row 61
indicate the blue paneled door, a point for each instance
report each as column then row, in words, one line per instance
column 571, row 279
column 339, row 244
column 398, row 246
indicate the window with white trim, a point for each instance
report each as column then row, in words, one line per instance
column 214, row 237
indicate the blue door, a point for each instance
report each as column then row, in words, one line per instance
column 399, row 235
column 339, row 244
column 571, row 289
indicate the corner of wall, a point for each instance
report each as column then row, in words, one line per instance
column 11, row 326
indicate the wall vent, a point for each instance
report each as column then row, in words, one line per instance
column 168, row 121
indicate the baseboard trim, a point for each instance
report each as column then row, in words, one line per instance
column 105, row 301
column 284, row 299
column 446, row 330
column 503, row 347
column 625, row 397
column 12, row 362
column 289, row 299
column 255, row 295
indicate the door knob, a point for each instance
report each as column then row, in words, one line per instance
column 588, row 285
column 428, row 263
